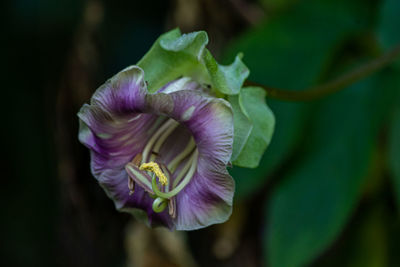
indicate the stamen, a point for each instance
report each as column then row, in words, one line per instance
column 131, row 185
column 153, row 167
column 156, row 135
column 141, row 179
column 172, row 207
column 175, row 162
column 182, row 185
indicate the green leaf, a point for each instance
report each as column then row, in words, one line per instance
column 388, row 25
column 174, row 55
column 313, row 203
column 365, row 242
column 291, row 51
column 370, row 244
column 276, row 4
column 394, row 150
column 388, row 35
column 226, row 79
column 251, row 101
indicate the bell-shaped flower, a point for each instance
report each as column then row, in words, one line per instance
column 161, row 156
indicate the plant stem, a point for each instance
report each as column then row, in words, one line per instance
column 334, row 85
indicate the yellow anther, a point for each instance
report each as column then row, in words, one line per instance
column 153, row 167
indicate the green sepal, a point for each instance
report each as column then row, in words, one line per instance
column 226, row 79
column 242, row 126
column 174, row 55
column 254, row 125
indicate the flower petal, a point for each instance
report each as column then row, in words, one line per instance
column 112, row 125
column 114, row 128
column 184, row 83
column 210, row 120
column 124, row 93
column 206, row 200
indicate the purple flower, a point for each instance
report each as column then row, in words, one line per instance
column 161, row 156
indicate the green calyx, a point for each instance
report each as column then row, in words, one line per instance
column 176, row 55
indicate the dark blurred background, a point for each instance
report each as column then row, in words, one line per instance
column 327, row 192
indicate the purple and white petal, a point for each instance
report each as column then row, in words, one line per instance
column 209, row 119
column 184, row 83
column 123, row 94
column 113, row 125
column 206, row 200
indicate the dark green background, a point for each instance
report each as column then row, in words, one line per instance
column 327, row 192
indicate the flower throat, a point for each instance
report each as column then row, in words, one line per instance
column 165, row 188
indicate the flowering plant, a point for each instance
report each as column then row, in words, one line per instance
column 162, row 133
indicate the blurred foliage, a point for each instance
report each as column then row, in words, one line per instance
column 328, row 144
column 387, row 28
column 394, row 149
column 311, row 206
column 366, row 244
column 327, row 191
column 292, row 51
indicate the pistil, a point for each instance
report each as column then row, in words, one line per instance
column 140, row 178
column 181, row 185
column 153, row 167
